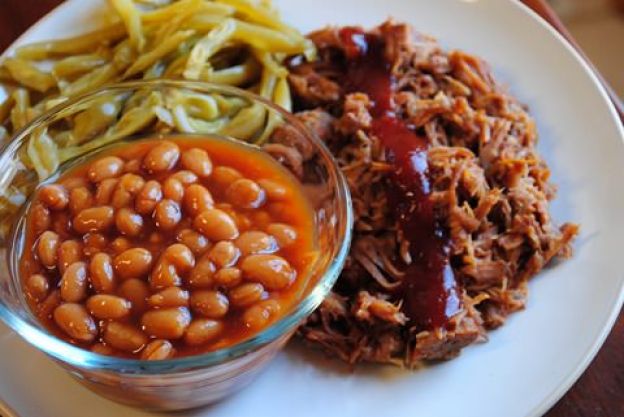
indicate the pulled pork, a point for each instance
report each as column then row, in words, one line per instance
column 489, row 186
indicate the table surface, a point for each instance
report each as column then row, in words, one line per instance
column 598, row 393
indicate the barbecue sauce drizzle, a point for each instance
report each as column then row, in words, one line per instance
column 430, row 289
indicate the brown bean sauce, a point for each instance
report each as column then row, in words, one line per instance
column 430, row 288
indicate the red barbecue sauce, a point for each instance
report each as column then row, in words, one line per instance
column 431, row 291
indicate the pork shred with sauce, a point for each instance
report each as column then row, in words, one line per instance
column 488, row 185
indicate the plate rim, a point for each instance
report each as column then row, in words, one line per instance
column 573, row 374
column 588, row 357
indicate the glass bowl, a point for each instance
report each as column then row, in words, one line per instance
column 76, row 128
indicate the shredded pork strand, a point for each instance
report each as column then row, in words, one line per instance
column 490, row 187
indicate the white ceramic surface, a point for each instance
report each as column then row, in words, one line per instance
column 530, row 362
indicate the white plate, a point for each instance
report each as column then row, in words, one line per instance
column 529, row 363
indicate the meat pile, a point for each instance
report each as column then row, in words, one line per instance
column 489, row 188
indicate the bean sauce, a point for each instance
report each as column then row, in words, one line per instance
column 178, row 256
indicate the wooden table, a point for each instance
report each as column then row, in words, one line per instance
column 598, row 393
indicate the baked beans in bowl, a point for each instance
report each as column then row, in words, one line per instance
column 163, row 244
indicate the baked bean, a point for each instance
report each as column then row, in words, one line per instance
column 228, row 277
column 201, row 331
column 167, row 214
column 128, row 187
column 234, row 214
column 106, row 306
column 197, row 161
column 74, row 283
column 255, row 242
column 54, row 196
column 173, row 190
column 69, row 251
column 283, row 233
column 222, row 177
column 158, row 350
column 94, row 243
column 211, row 304
column 197, row 199
column 37, row 286
column 216, row 225
column 41, row 218
column 149, row 196
column 180, row 256
column 274, row 190
column 47, row 306
column 74, row 320
column 120, row 244
column 136, row 291
column 47, row 248
column 224, row 254
column 102, row 349
column 101, row 273
column 272, row 271
column 104, row 191
column 132, row 166
column 202, row 275
column 80, row 198
column 245, row 193
column 124, row 336
column 161, row 157
column 164, row 275
column 104, row 168
column 196, row 242
column 133, row 263
column 169, row 297
column 121, row 198
column 75, row 182
column 128, row 222
column 94, row 219
column 243, row 222
column 169, row 323
column 61, row 224
column 259, row 315
column 132, row 183
column 246, row 294
column 185, row 177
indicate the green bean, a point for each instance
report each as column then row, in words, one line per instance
column 267, row 84
column 19, row 112
column 199, row 105
column 166, row 13
column 238, row 75
column 133, row 121
column 187, row 124
column 29, row 75
column 207, row 46
column 256, row 13
column 91, row 80
column 101, row 114
column 43, row 153
column 6, row 101
column 79, row 64
column 132, row 20
column 159, row 51
column 269, row 62
column 72, row 46
column 281, row 94
column 246, row 124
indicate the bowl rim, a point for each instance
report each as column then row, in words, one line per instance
column 81, row 358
